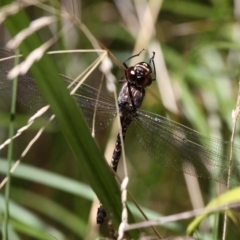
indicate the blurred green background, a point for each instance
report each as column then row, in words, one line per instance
column 197, row 62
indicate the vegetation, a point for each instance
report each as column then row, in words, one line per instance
column 51, row 192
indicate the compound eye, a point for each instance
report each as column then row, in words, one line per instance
column 132, row 72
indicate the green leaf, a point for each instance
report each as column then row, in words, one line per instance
column 71, row 122
column 229, row 197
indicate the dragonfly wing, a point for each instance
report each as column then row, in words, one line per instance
column 99, row 113
column 28, row 93
column 96, row 108
column 183, row 149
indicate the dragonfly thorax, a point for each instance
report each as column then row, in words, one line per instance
column 124, row 99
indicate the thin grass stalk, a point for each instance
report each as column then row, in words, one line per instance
column 216, row 226
column 235, row 115
column 181, row 216
column 10, row 155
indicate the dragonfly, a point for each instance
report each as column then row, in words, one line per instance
column 169, row 143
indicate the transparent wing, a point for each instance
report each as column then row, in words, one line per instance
column 93, row 105
column 183, row 149
column 96, row 108
column 28, row 93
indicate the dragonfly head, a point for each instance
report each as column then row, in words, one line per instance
column 140, row 74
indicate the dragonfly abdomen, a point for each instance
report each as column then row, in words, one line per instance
column 127, row 112
column 118, row 145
